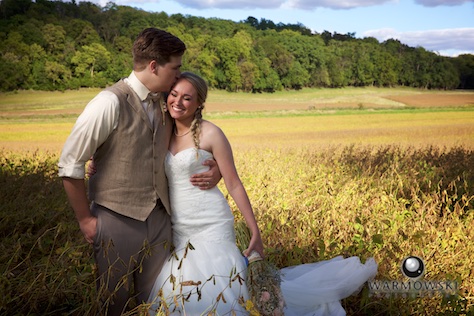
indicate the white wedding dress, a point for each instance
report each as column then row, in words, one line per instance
column 206, row 272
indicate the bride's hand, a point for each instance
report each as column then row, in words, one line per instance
column 90, row 169
column 256, row 244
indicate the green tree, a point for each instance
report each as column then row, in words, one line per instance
column 465, row 65
column 281, row 59
column 296, row 78
column 90, row 59
column 403, row 55
column 31, row 32
column 232, row 52
column 386, row 69
column 253, row 22
column 266, row 78
column 444, row 74
column 363, row 67
column 160, row 20
column 118, row 67
column 207, row 62
column 130, row 22
column 407, row 72
column 339, row 64
column 37, row 79
column 14, row 72
column 305, row 49
column 123, row 44
column 248, row 71
column 57, row 73
column 15, row 61
column 228, row 54
column 91, row 12
column 55, row 38
column 82, row 32
column 423, row 61
column 110, row 23
column 9, row 8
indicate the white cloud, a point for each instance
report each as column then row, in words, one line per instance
column 231, row 4
column 267, row 4
column 276, row 4
column 331, row 4
column 460, row 40
column 204, row 4
column 435, row 3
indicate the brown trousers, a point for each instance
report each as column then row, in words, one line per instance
column 128, row 251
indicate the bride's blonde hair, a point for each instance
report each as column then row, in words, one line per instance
column 201, row 88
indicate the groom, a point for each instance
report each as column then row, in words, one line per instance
column 127, row 131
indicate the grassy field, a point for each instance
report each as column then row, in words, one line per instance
column 319, row 118
column 382, row 173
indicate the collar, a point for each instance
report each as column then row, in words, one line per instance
column 138, row 86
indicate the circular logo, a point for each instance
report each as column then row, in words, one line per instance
column 413, row 267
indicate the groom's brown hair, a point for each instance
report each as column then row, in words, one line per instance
column 155, row 44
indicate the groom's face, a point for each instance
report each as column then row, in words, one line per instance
column 167, row 74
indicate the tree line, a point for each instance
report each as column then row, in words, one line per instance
column 55, row 45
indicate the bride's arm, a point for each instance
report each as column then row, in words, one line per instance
column 222, row 152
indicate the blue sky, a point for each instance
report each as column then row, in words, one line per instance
column 442, row 26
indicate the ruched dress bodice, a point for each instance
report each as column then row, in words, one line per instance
column 196, row 214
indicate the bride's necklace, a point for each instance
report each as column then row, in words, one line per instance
column 177, row 135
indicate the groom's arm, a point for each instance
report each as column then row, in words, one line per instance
column 76, row 193
column 209, row 179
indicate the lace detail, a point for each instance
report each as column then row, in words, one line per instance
column 209, row 236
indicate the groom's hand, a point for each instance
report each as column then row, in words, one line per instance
column 209, row 179
column 89, row 228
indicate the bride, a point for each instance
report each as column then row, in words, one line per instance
column 206, row 272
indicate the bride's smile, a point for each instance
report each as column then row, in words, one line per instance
column 182, row 101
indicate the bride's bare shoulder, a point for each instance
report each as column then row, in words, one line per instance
column 211, row 136
column 209, row 127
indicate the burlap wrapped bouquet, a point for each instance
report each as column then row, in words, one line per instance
column 263, row 278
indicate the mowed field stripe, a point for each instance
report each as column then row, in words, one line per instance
column 444, row 129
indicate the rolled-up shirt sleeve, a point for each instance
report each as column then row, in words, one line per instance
column 92, row 128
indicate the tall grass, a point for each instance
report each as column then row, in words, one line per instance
column 384, row 202
column 381, row 201
column 45, row 266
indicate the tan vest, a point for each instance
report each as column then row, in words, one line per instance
column 130, row 177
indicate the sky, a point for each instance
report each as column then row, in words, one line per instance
column 445, row 27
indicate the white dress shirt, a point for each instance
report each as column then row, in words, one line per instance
column 93, row 127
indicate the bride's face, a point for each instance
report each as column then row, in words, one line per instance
column 182, row 101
